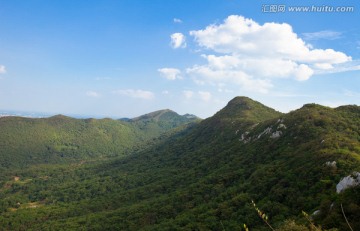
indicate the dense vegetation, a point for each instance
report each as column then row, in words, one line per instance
column 61, row 139
column 201, row 177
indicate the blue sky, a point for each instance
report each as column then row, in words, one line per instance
column 129, row 57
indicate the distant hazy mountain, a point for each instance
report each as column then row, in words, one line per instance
column 23, row 114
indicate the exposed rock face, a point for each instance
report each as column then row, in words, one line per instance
column 331, row 164
column 282, row 126
column 276, row 134
column 274, row 131
column 265, row 132
column 244, row 138
column 348, row 181
column 317, row 212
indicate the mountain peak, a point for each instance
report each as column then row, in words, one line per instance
column 241, row 100
column 156, row 115
column 165, row 116
column 242, row 103
column 59, row 117
column 242, row 107
column 190, row 116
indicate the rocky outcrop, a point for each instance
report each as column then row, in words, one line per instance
column 276, row 134
column 348, row 181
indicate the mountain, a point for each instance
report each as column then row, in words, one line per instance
column 240, row 113
column 204, row 177
column 62, row 139
column 161, row 115
column 158, row 121
column 4, row 113
column 244, row 108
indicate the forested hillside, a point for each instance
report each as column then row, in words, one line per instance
column 61, row 139
column 204, row 177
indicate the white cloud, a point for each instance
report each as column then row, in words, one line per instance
column 177, row 20
column 246, row 38
column 204, row 95
column 353, row 65
column 188, row 94
column 137, row 94
column 210, row 74
column 2, row 69
column 93, row 94
column 178, row 40
column 170, row 73
column 325, row 34
column 323, row 66
column 250, row 55
column 262, row 67
column 165, row 92
column 303, row 72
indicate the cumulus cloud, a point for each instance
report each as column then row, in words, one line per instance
column 2, row 69
column 238, row 35
column 245, row 37
column 170, row 73
column 178, row 40
column 325, row 34
column 137, row 94
column 206, row 74
column 93, row 94
column 251, row 55
column 177, row 20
